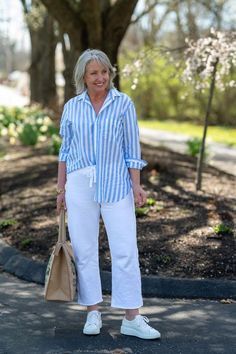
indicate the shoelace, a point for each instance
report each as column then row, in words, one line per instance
column 93, row 319
column 144, row 321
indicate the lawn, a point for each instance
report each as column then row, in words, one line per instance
column 220, row 134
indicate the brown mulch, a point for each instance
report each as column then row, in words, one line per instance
column 175, row 239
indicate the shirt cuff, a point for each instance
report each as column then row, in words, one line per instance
column 62, row 157
column 136, row 163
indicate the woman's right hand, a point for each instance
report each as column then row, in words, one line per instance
column 61, row 202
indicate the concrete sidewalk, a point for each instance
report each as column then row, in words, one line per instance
column 29, row 325
column 219, row 155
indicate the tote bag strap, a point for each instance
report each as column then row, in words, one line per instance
column 62, row 226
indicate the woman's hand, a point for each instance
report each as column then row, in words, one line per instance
column 140, row 196
column 61, row 202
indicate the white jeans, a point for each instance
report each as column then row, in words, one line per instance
column 120, row 223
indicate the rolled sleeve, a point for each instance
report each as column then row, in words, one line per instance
column 66, row 134
column 132, row 151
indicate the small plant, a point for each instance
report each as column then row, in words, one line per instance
column 6, row 223
column 29, row 135
column 193, row 147
column 55, row 145
column 141, row 211
column 222, row 229
column 163, row 259
column 150, row 205
column 28, row 124
column 150, row 201
column 26, row 242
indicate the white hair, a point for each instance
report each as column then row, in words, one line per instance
column 86, row 57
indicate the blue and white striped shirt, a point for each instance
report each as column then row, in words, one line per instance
column 109, row 140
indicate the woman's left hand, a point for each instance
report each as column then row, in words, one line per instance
column 140, row 196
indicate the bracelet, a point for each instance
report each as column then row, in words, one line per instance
column 60, row 190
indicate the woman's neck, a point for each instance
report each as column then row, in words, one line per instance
column 97, row 97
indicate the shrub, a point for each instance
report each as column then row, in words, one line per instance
column 29, row 125
column 55, row 144
column 29, row 135
column 193, row 147
column 160, row 94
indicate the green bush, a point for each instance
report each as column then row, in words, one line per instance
column 29, row 135
column 55, row 144
column 29, row 125
column 194, row 146
column 160, row 94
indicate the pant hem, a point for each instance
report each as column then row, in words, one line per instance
column 132, row 307
column 89, row 304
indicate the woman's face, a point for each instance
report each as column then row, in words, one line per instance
column 96, row 77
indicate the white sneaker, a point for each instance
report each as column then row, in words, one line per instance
column 139, row 327
column 93, row 323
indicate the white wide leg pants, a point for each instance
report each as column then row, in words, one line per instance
column 120, row 223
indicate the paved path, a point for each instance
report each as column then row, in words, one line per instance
column 29, row 325
column 220, row 156
column 10, row 97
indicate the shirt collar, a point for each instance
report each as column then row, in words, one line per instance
column 82, row 96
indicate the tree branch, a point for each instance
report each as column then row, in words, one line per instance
column 117, row 21
column 68, row 18
column 25, row 8
column 145, row 12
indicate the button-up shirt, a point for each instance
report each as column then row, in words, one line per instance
column 108, row 140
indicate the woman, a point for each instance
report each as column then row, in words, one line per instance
column 99, row 173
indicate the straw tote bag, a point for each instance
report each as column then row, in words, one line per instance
column 60, row 276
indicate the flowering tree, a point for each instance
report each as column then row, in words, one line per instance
column 208, row 65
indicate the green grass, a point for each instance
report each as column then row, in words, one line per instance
column 220, row 134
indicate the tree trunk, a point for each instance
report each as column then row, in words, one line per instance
column 42, row 68
column 99, row 24
column 34, row 69
column 208, row 111
column 70, row 55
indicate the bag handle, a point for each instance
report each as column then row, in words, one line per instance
column 62, row 226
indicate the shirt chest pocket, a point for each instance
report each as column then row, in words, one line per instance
column 111, row 129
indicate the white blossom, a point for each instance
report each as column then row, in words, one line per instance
column 204, row 54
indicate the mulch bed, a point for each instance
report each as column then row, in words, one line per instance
column 175, row 238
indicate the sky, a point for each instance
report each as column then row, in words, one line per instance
column 12, row 22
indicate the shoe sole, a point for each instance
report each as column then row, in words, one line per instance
column 131, row 332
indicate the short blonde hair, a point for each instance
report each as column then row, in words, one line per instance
column 86, row 57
